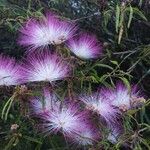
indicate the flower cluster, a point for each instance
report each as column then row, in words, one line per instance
column 65, row 117
column 36, row 67
column 47, row 65
column 74, row 119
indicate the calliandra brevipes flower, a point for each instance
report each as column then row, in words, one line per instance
column 87, row 136
column 125, row 98
column 45, row 67
column 40, row 105
column 67, row 119
column 10, row 73
column 48, row 30
column 85, row 46
column 60, row 30
column 115, row 131
column 97, row 103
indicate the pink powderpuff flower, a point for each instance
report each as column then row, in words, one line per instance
column 97, row 103
column 67, row 119
column 43, row 104
column 49, row 30
column 60, row 30
column 10, row 73
column 122, row 97
column 34, row 35
column 87, row 136
column 125, row 99
column 86, row 46
column 107, row 94
column 116, row 130
column 45, row 67
column 136, row 97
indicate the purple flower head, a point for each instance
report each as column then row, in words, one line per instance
column 124, row 98
column 59, row 30
column 67, row 118
column 136, row 97
column 49, row 30
column 10, row 73
column 97, row 103
column 116, row 131
column 34, row 35
column 87, row 136
column 107, row 93
column 86, row 46
column 45, row 67
column 40, row 106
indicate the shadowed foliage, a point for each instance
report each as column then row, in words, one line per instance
column 122, row 26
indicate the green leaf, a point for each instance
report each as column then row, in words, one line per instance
column 107, row 16
column 104, row 66
column 130, row 16
column 126, row 82
column 117, row 17
column 139, row 13
column 131, row 112
column 7, row 107
column 103, row 78
column 93, row 79
column 32, row 139
column 114, row 62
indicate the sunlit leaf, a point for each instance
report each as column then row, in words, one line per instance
column 130, row 16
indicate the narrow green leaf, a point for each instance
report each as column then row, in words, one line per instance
column 103, row 78
column 114, row 62
column 139, row 13
column 121, row 30
column 126, row 82
column 117, row 17
column 132, row 111
column 93, row 79
column 7, row 107
column 130, row 16
column 32, row 139
column 104, row 66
